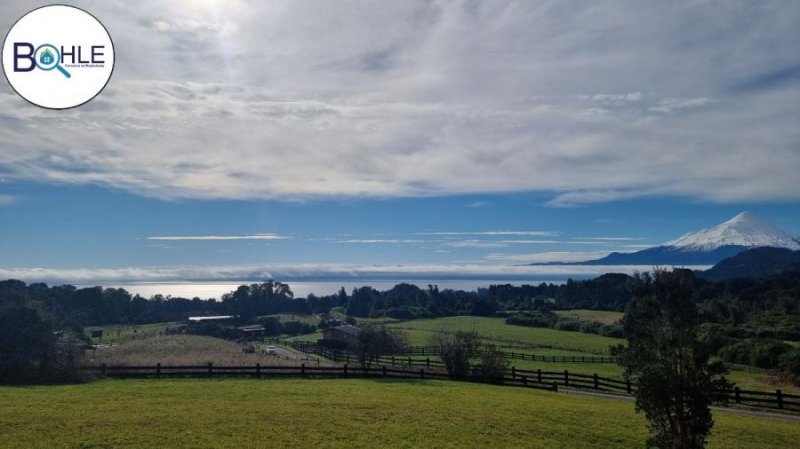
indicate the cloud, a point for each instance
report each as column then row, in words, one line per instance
column 585, row 101
column 491, row 233
column 391, row 241
column 609, row 239
column 550, row 256
column 299, row 272
column 220, row 237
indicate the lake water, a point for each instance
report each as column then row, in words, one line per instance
column 303, row 288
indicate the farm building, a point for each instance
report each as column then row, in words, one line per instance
column 340, row 336
column 250, row 332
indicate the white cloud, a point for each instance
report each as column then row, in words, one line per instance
column 305, row 271
column 609, row 239
column 220, row 237
column 391, row 241
column 491, row 233
column 550, row 256
column 589, row 101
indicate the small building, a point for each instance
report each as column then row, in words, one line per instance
column 340, row 336
column 250, row 332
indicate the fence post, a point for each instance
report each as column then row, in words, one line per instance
column 258, row 370
column 428, row 362
column 779, row 395
column 512, row 355
column 421, row 373
column 596, row 382
column 393, row 360
column 103, row 368
column 384, row 370
column 303, row 369
column 513, row 373
column 539, row 375
column 566, row 377
column 524, row 381
column 158, row 370
column 555, row 387
column 210, row 369
column 409, row 360
column 737, row 394
column 628, row 385
column 345, row 370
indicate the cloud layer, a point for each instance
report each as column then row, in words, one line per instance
column 589, row 101
column 308, row 272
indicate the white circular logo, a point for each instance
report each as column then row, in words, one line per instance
column 58, row 57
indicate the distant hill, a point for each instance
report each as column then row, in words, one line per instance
column 754, row 263
column 707, row 246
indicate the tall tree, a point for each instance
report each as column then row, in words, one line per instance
column 676, row 382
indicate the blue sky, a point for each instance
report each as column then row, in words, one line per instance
column 431, row 135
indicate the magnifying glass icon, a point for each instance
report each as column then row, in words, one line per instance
column 48, row 58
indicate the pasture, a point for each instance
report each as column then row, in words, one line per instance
column 597, row 316
column 291, row 413
column 498, row 331
column 182, row 350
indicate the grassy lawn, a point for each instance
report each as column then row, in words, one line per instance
column 291, row 413
column 599, row 316
column 496, row 329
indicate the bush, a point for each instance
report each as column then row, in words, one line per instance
column 456, row 349
column 493, row 364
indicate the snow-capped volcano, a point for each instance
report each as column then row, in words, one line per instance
column 745, row 229
column 708, row 246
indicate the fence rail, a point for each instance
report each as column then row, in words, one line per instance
column 764, row 399
column 264, row 371
column 545, row 380
column 430, row 351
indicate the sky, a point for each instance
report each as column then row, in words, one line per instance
column 244, row 139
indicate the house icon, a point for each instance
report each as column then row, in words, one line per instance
column 46, row 57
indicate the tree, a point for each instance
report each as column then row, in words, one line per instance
column 376, row 341
column 456, row 349
column 30, row 350
column 676, row 382
column 493, row 364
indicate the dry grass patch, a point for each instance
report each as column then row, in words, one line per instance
column 184, row 350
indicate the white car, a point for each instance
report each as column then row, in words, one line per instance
column 271, row 350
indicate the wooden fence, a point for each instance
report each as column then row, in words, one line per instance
column 777, row 399
column 265, row 371
column 412, row 351
column 545, row 380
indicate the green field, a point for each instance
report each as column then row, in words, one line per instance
column 599, row 316
column 286, row 317
column 496, row 329
column 296, row 413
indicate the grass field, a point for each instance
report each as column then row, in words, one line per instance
column 120, row 333
column 496, row 329
column 308, row 319
column 182, row 350
column 599, row 316
column 293, row 413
